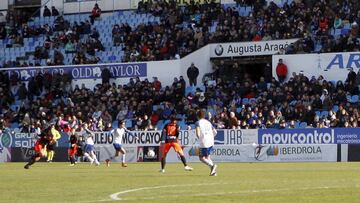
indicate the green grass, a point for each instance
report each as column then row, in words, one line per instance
column 236, row 182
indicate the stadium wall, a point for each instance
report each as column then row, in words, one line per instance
column 332, row 66
column 232, row 145
column 4, row 4
column 87, row 6
column 90, row 75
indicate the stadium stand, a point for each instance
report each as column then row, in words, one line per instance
column 161, row 31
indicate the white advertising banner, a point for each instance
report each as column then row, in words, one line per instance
column 137, row 150
column 104, row 152
column 235, row 49
column 265, row 153
column 332, row 66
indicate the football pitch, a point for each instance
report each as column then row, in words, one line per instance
column 141, row 182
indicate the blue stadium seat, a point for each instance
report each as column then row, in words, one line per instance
column 160, row 124
column 337, row 32
column 252, row 101
column 324, row 114
column 14, row 125
column 190, row 89
column 183, row 125
column 155, row 107
column 128, row 123
column 348, row 98
column 238, row 110
column 354, row 98
column 115, row 124
column 245, row 101
column 335, row 108
column 303, row 125
column 345, row 31
column 347, row 26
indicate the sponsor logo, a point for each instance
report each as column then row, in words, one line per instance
column 219, row 50
column 300, row 150
column 140, row 154
column 85, row 72
column 103, row 138
column 151, row 154
column 260, row 153
column 252, row 48
column 194, row 151
column 339, row 62
column 26, row 140
column 226, row 152
column 233, row 137
column 272, row 151
column 295, row 137
column 5, row 141
column 144, row 138
column 27, row 153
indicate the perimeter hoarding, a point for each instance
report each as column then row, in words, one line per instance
column 310, row 136
column 269, row 153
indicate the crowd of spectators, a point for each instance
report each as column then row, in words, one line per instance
column 185, row 28
column 231, row 104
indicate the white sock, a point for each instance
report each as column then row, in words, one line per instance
column 207, row 162
column 94, row 157
column 123, row 158
column 88, row 157
column 211, row 163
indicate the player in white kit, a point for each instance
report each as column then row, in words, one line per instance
column 89, row 145
column 118, row 136
column 206, row 133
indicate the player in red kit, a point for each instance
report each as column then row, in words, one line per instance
column 39, row 147
column 73, row 147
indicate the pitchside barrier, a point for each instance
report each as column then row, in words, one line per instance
column 251, row 145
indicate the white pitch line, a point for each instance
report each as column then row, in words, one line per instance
column 115, row 196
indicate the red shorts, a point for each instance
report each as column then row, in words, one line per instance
column 38, row 148
column 73, row 151
column 175, row 145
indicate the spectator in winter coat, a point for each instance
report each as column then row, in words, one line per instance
column 54, row 11
column 281, row 71
column 95, row 13
column 193, row 73
column 47, row 11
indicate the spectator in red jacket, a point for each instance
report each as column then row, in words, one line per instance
column 281, row 71
column 157, row 84
column 95, row 13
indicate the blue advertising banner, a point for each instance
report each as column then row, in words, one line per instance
column 27, row 140
column 347, row 135
column 310, row 136
column 120, row 70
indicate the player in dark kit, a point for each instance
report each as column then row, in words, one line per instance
column 170, row 140
column 73, row 148
column 39, row 148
